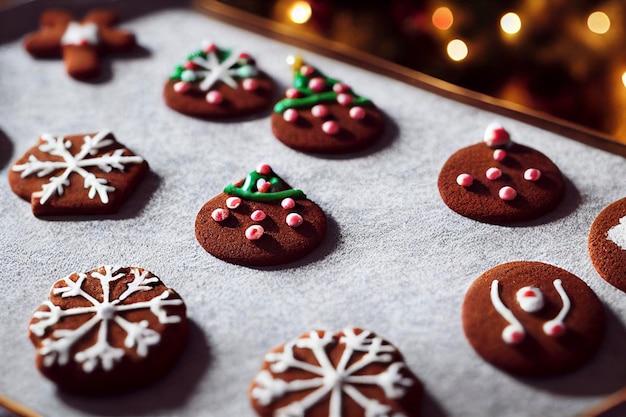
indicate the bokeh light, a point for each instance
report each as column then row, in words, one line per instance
column 443, row 18
column 511, row 23
column 599, row 22
column 624, row 78
column 457, row 50
column 300, row 12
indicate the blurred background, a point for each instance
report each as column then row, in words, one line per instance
column 565, row 58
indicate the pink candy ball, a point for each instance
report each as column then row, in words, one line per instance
column 330, row 127
column 317, row 84
column 357, row 113
column 465, row 180
column 320, row 110
column 250, row 84
column 532, row 174
column 254, row 232
column 219, row 214
column 341, row 88
column 306, row 70
column 258, row 215
column 214, row 97
column 493, row 174
column 264, row 169
column 507, row 193
column 263, row 186
column 290, row 115
column 294, row 220
column 209, row 47
column 181, row 87
column 288, row 203
column 499, row 154
column 233, row 202
column 292, row 93
column 344, row 99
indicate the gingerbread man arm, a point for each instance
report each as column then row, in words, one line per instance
column 111, row 39
column 46, row 43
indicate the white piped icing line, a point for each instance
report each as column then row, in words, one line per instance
column 556, row 327
column 57, row 347
column 329, row 382
column 513, row 333
column 57, row 146
column 80, row 34
column 617, row 233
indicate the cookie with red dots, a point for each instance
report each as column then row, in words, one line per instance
column 531, row 318
column 499, row 181
column 607, row 244
column 323, row 115
column 216, row 83
column 260, row 221
column 109, row 330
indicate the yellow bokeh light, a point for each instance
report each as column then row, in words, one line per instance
column 599, row 22
column 443, row 18
column 300, row 12
column 511, row 23
column 457, row 50
column 624, row 78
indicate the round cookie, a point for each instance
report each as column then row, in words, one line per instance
column 109, row 330
column 260, row 221
column 607, row 244
column 78, row 174
column 322, row 115
column 531, row 318
column 500, row 182
column 352, row 373
column 215, row 83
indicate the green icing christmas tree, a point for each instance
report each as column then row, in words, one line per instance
column 263, row 185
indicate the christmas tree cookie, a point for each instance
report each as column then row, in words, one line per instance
column 323, row 115
column 215, row 83
column 607, row 244
column 352, row 373
column 499, row 181
column 79, row 174
column 260, row 221
column 109, row 330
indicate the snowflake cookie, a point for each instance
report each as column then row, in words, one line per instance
column 108, row 330
column 353, row 373
column 322, row 115
column 80, row 174
column 498, row 181
column 260, row 221
column 216, row 83
column 607, row 244
column 80, row 43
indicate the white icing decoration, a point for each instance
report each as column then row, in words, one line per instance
column 617, row 233
column 57, row 347
column 213, row 70
column 558, row 320
column 79, row 34
column 530, row 303
column 330, row 381
column 76, row 163
column 514, row 325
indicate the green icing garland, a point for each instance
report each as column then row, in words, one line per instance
column 248, row 190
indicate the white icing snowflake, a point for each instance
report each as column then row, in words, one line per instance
column 333, row 381
column 58, row 346
column 76, row 163
column 212, row 71
column 617, row 233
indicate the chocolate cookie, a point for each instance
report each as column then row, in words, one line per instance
column 323, row 115
column 79, row 43
column 500, row 182
column 531, row 318
column 80, row 174
column 108, row 330
column 353, row 373
column 260, row 221
column 216, row 83
column 607, row 244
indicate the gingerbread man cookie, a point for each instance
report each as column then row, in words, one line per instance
column 79, row 43
column 531, row 318
column 216, row 83
column 607, row 244
column 260, row 221
column 79, row 174
column 499, row 181
column 322, row 115
column 108, row 330
column 352, row 373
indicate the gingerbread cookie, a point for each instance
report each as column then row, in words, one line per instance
column 531, row 318
column 607, row 244
column 500, row 182
column 322, row 115
column 260, row 221
column 79, row 43
column 80, row 174
column 215, row 83
column 353, row 373
column 108, row 330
